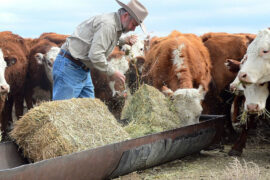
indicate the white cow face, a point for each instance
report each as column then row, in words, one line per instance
column 188, row 104
column 256, row 96
column 134, row 51
column 256, row 68
column 4, row 86
column 47, row 60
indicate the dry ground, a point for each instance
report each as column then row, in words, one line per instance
column 254, row 164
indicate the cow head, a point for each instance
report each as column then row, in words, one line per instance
column 129, row 63
column 187, row 103
column 256, row 68
column 4, row 86
column 256, row 96
column 47, row 60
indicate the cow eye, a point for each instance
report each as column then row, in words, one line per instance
column 261, row 84
column 264, row 51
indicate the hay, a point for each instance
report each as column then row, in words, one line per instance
column 62, row 127
column 149, row 111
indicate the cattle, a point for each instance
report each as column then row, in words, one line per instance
column 14, row 52
column 256, row 69
column 58, row 39
column 223, row 46
column 253, row 101
column 177, row 62
column 39, row 74
column 127, row 60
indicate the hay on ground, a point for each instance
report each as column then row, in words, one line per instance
column 62, row 127
column 149, row 111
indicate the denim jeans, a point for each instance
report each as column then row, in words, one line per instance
column 70, row 80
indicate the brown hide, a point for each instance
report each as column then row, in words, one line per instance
column 159, row 69
column 36, row 76
column 58, row 39
column 222, row 46
column 13, row 46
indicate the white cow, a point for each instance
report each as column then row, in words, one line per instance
column 256, row 96
column 4, row 86
column 256, row 68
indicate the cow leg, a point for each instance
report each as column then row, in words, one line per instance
column 28, row 98
column 240, row 144
column 19, row 106
column 6, row 117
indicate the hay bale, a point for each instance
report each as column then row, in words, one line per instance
column 148, row 111
column 62, row 127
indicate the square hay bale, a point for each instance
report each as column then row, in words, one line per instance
column 148, row 111
column 57, row 128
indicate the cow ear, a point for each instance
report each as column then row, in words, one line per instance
column 10, row 61
column 39, row 58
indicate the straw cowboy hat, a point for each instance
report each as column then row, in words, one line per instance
column 136, row 10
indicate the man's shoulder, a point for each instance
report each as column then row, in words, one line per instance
column 108, row 19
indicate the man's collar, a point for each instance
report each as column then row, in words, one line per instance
column 118, row 22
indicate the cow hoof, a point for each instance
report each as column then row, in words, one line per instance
column 234, row 152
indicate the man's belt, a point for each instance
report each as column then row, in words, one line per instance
column 76, row 61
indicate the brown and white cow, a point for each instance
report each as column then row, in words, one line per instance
column 129, row 61
column 14, row 52
column 256, row 69
column 39, row 76
column 254, row 101
column 178, row 63
column 221, row 47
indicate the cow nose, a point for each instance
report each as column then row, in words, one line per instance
column 244, row 77
column 232, row 87
column 253, row 107
column 4, row 88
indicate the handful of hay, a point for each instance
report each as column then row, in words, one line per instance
column 62, row 127
column 148, row 111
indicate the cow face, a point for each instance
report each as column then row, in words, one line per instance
column 188, row 104
column 256, row 68
column 47, row 61
column 256, row 96
column 134, row 51
column 4, row 86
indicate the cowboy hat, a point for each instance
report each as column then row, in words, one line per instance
column 136, row 10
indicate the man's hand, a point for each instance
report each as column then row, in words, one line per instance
column 118, row 76
column 132, row 39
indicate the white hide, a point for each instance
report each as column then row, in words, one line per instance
column 256, row 68
column 177, row 60
column 236, row 86
column 122, row 64
column 4, row 86
column 188, row 105
column 47, row 60
column 256, row 94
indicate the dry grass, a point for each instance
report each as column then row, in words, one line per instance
column 149, row 111
column 62, row 127
column 240, row 171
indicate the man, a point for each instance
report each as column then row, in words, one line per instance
column 89, row 46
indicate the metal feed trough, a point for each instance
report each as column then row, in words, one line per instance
column 117, row 159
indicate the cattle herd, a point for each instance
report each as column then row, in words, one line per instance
column 230, row 72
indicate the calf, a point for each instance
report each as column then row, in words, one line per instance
column 39, row 75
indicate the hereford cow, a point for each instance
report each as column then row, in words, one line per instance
column 254, row 100
column 58, row 39
column 222, row 46
column 177, row 62
column 257, row 66
column 39, row 75
column 128, row 61
column 15, row 54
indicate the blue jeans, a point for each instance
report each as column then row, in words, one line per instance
column 70, row 80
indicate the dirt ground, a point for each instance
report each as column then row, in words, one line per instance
column 254, row 164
